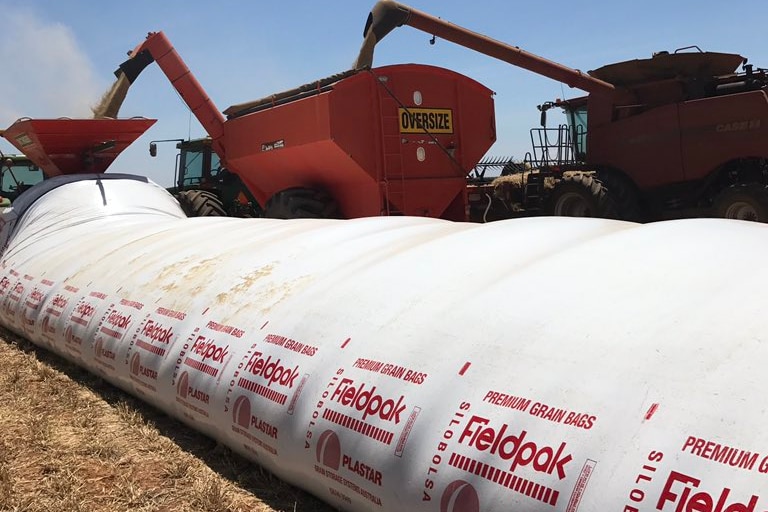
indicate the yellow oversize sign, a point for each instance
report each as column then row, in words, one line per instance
column 422, row 120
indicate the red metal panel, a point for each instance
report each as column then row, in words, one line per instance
column 627, row 144
column 349, row 141
column 70, row 146
column 717, row 130
column 282, row 147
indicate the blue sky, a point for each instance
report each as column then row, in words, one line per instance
column 58, row 56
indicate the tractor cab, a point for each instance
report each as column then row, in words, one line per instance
column 197, row 165
column 203, row 186
column 18, row 174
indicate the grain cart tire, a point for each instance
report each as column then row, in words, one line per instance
column 301, row 203
column 201, row 203
column 580, row 195
column 624, row 195
column 743, row 202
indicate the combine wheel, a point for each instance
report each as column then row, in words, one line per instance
column 580, row 195
column 624, row 195
column 201, row 203
column 301, row 203
column 743, row 202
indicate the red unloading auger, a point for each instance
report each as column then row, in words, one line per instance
column 157, row 48
column 387, row 15
column 70, row 146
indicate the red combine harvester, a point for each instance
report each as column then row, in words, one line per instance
column 395, row 140
column 676, row 135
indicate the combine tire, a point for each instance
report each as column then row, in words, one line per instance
column 743, row 202
column 624, row 195
column 580, row 195
column 201, row 203
column 301, row 203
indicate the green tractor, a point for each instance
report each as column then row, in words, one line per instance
column 203, row 187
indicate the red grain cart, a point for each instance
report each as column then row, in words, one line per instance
column 392, row 140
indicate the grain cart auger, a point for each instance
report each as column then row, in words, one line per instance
column 395, row 140
column 678, row 135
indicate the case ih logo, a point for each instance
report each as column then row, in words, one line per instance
column 682, row 493
column 157, row 332
column 517, row 448
column 368, row 401
column 272, row 371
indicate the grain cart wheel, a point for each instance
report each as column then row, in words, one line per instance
column 301, row 203
column 201, row 203
column 624, row 195
column 580, row 195
column 743, row 202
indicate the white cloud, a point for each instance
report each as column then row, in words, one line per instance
column 45, row 73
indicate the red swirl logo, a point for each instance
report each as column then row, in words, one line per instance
column 329, row 450
column 241, row 413
column 460, row 496
column 183, row 385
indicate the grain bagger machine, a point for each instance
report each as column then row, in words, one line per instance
column 54, row 147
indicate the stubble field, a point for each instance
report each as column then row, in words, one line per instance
column 71, row 442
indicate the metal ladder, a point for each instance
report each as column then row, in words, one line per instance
column 393, row 172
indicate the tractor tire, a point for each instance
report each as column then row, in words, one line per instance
column 624, row 195
column 580, row 195
column 743, row 202
column 301, row 203
column 201, row 203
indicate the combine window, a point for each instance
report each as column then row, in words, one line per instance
column 577, row 119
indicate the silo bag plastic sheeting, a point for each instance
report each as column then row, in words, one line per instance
column 411, row 364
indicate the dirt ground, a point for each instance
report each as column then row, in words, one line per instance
column 71, row 442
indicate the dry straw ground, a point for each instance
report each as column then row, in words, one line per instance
column 70, row 442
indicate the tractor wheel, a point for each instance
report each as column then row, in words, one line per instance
column 580, row 195
column 743, row 202
column 301, row 203
column 201, row 203
column 624, row 195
